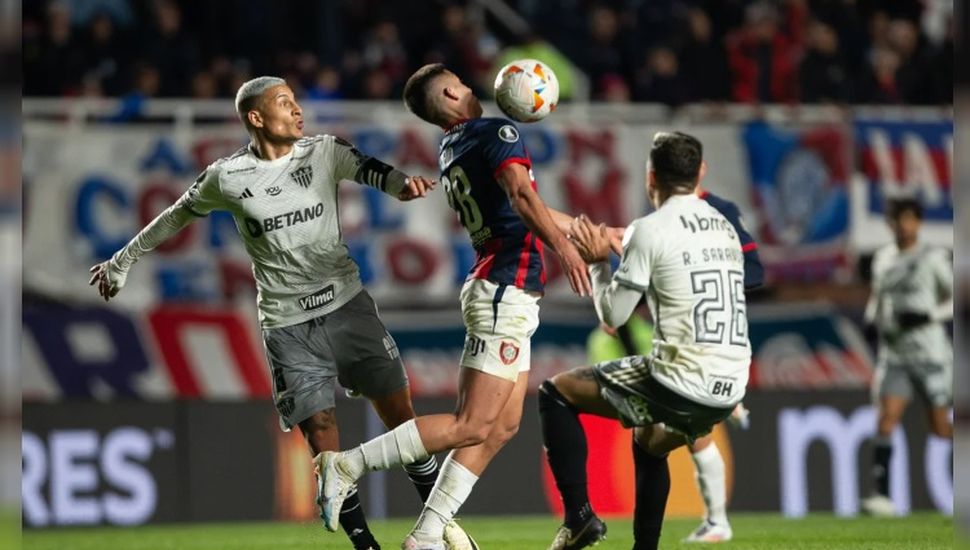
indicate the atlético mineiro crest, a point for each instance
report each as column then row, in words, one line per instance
column 509, row 352
column 303, row 175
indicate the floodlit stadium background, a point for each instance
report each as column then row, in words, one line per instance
column 127, row 101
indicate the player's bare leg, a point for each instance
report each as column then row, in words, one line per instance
column 891, row 409
column 651, row 445
column 480, row 401
column 561, row 399
column 320, row 431
column 940, row 423
column 395, row 409
column 461, row 469
column 711, row 482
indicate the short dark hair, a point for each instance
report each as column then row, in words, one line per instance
column 896, row 207
column 417, row 96
column 675, row 159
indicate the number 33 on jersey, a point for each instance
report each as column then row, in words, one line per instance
column 471, row 154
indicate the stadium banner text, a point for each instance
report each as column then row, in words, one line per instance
column 137, row 463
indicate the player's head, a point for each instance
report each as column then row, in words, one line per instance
column 268, row 109
column 438, row 96
column 904, row 217
column 676, row 165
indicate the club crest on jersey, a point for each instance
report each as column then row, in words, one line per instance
column 303, row 175
column 509, row 352
column 508, row 133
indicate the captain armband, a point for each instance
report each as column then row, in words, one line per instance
column 380, row 176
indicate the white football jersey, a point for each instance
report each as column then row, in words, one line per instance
column 686, row 257
column 286, row 212
column 916, row 280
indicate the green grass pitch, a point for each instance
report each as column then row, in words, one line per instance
column 751, row 531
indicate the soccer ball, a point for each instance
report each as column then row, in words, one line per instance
column 526, row 90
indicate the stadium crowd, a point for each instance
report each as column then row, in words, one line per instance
column 781, row 51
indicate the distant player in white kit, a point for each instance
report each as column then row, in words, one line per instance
column 912, row 296
column 686, row 259
column 319, row 325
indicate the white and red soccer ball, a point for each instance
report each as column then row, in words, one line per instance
column 526, row 90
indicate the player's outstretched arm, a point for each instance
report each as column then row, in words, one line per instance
column 565, row 223
column 349, row 163
column 614, row 298
column 515, row 180
column 111, row 275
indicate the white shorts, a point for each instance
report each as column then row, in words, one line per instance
column 499, row 323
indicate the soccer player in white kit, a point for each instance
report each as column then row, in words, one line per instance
column 319, row 325
column 686, row 259
column 912, row 297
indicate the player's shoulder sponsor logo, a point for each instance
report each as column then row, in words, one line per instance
column 303, row 175
column 241, row 170
column 318, row 299
column 508, row 352
column 508, row 133
column 274, row 190
column 446, row 156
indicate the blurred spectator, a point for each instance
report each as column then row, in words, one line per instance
column 822, row 73
column 745, row 50
column 146, row 84
column 171, row 49
column 613, row 89
column 703, row 61
column 609, row 51
column 661, row 81
column 57, row 64
column 204, row 86
column 378, row 85
column 106, row 54
column 384, row 51
column 914, row 78
column 850, row 28
column 466, row 47
column 762, row 59
column 326, row 85
column 879, row 82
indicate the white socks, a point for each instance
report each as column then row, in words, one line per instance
column 711, row 482
column 454, row 485
column 400, row 446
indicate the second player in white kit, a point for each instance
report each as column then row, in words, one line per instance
column 686, row 260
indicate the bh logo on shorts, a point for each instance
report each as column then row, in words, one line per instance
column 509, row 352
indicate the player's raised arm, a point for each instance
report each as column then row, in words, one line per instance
column 614, row 296
column 349, row 163
column 514, row 179
column 565, row 224
column 203, row 197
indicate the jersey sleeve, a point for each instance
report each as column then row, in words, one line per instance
column 348, row 163
column 943, row 279
column 503, row 145
column 754, row 271
column 636, row 264
column 205, row 194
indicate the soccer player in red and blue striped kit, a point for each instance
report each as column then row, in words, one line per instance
column 487, row 174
